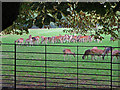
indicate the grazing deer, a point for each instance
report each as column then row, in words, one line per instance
column 61, row 38
column 68, row 52
column 74, row 39
column 86, row 38
column 88, row 52
column 83, row 38
column 99, row 52
column 53, row 39
column 50, row 39
column 44, row 39
column 70, row 38
column 36, row 38
column 94, row 48
column 92, row 52
column 58, row 38
column 116, row 53
column 107, row 50
column 66, row 38
column 19, row 41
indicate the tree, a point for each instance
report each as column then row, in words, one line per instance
column 86, row 21
column 10, row 11
column 81, row 16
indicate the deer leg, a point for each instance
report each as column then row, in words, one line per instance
column 101, row 57
column 70, row 57
column 60, row 40
column 95, row 57
column 46, row 41
column 42, row 41
column 117, row 57
column 92, row 56
column 38, row 41
column 87, row 57
column 64, row 56
column 32, row 43
column 28, row 43
column 21, row 43
column 52, row 41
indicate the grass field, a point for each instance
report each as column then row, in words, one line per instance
column 55, row 63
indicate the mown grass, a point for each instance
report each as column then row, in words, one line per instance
column 54, row 62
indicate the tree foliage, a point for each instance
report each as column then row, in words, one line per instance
column 82, row 21
column 80, row 16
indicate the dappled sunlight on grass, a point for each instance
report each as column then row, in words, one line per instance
column 35, row 61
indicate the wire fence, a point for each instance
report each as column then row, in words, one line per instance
column 47, row 69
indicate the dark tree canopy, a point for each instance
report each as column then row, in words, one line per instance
column 10, row 11
column 81, row 16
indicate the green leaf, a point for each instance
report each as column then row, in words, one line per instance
column 59, row 16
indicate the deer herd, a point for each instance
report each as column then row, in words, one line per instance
column 61, row 38
column 95, row 52
column 71, row 38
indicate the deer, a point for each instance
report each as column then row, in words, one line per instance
column 36, row 38
column 92, row 52
column 74, row 38
column 68, row 52
column 19, row 41
column 70, row 38
column 58, row 38
column 99, row 52
column 83, row 38
column 44, row 39
column 50, row 39
column 66, row 38
column 107, row 50
column 88, row 52
column 29, row 40
column 116, row 53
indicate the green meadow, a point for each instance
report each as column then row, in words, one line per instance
column 31, row 66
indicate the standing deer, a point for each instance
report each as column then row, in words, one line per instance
column 68, row 52
column 44, row 39
column 29, row 40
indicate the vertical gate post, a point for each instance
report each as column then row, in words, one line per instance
column 111, row 68
column 45, row 69
column 15, row 67
column 77, row 67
